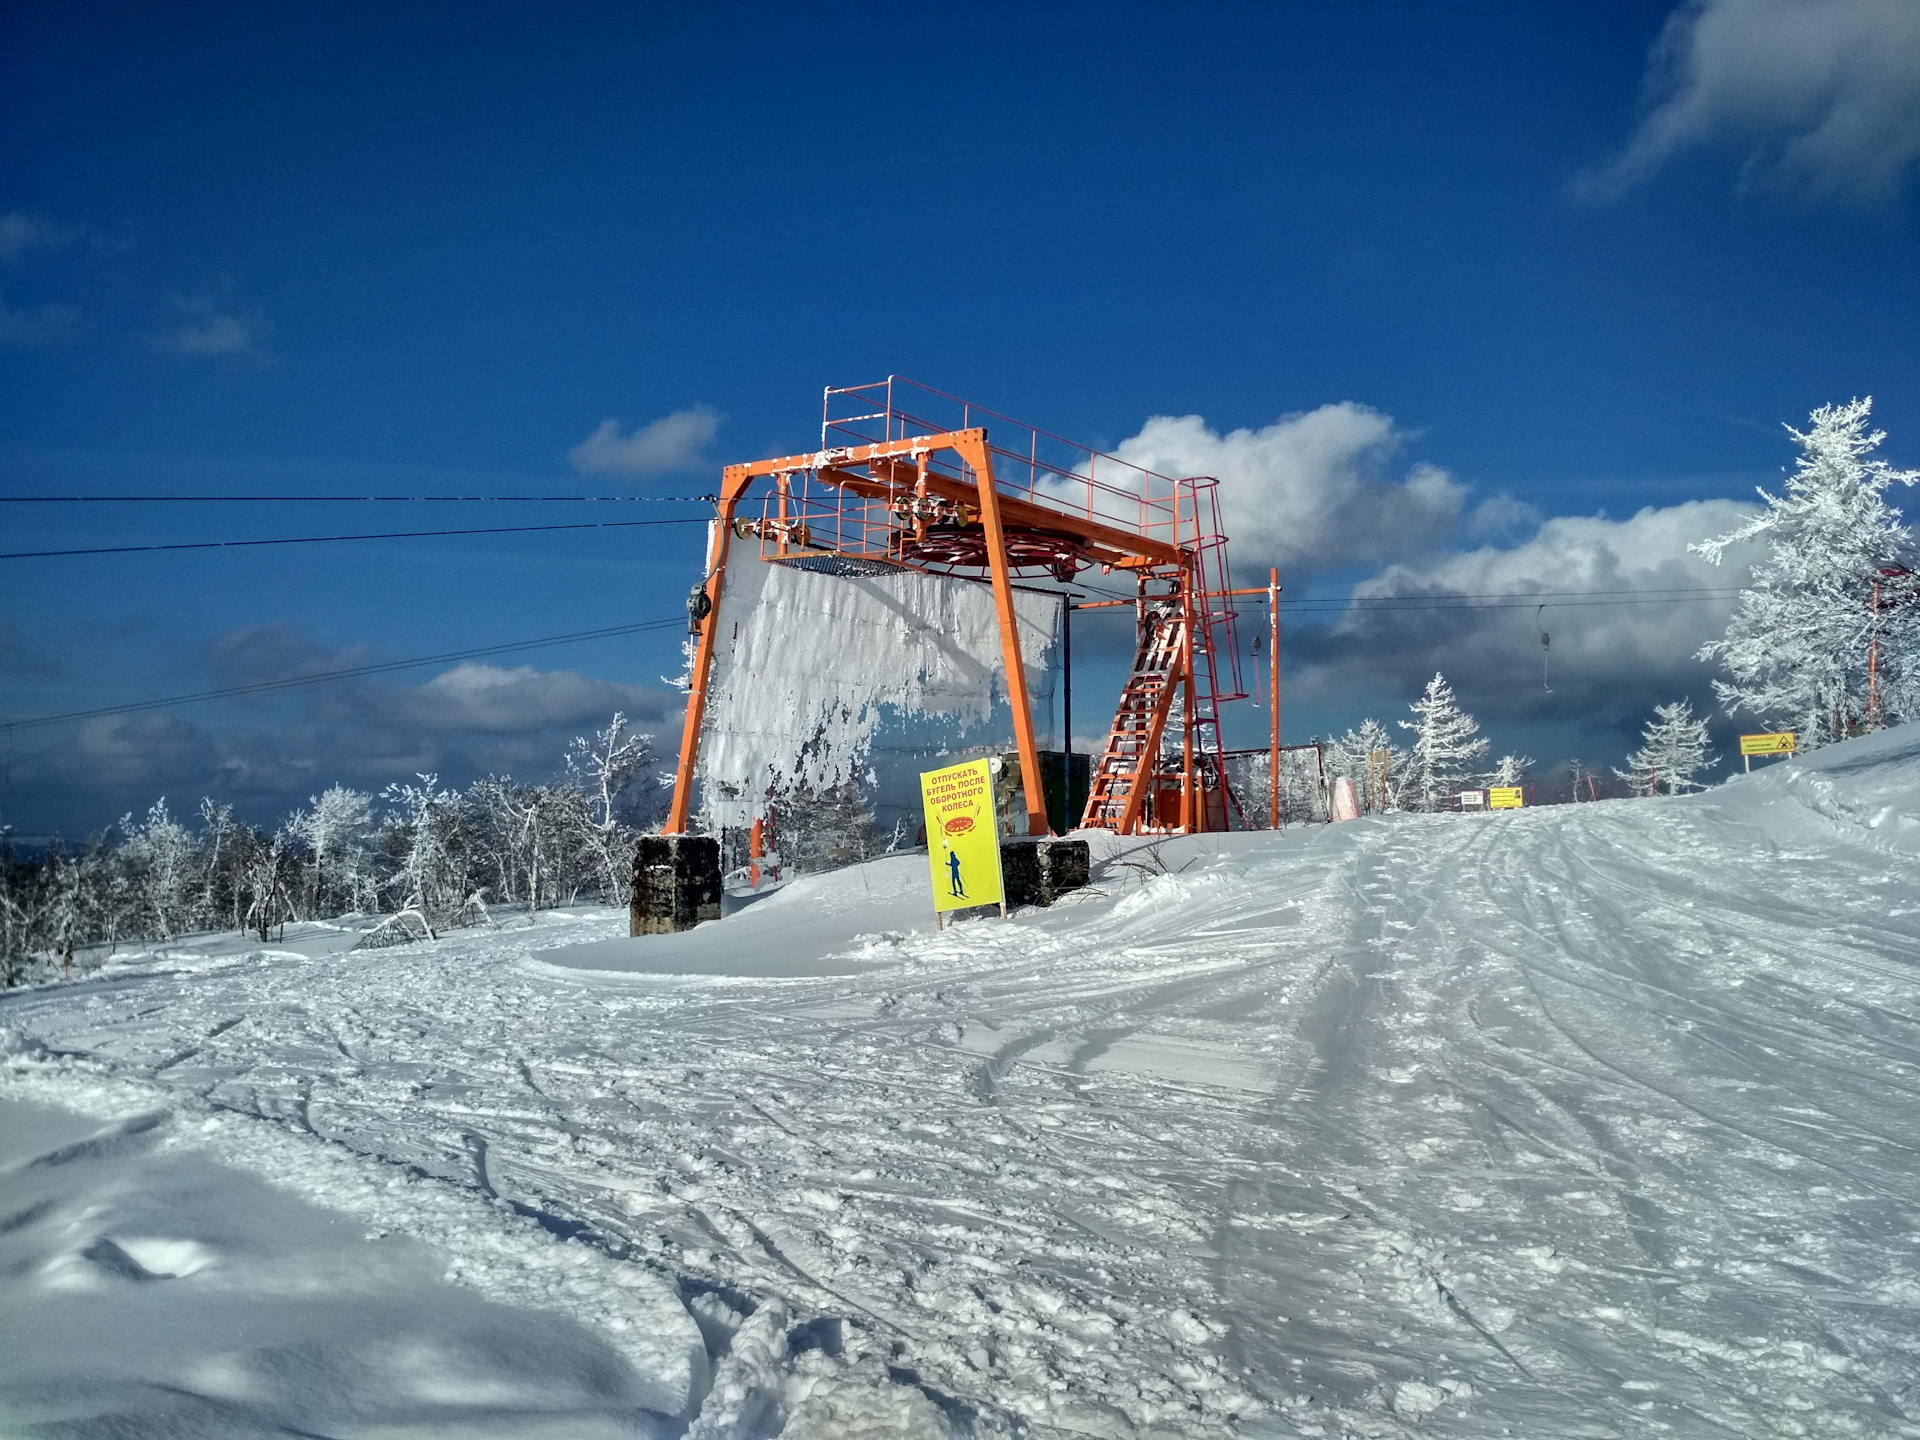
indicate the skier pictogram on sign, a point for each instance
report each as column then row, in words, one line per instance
column 963, row 843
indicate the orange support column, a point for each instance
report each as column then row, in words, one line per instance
column 972, row 446
column 734, row 481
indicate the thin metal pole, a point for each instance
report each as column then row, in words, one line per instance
column 1066, row 711
column 1873, row 663
column 1273, row 692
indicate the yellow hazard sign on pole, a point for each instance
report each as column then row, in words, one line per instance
column 963, row 843
column 1776, row 742
column 1506, row 797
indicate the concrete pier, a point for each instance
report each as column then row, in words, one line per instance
column 1040, row 871
column 676, row 883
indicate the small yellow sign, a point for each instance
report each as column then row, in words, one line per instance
column 1780, row 742
column 1506, row 797
column 963, row 843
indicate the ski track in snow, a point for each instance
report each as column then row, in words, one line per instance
column 1591, row 1121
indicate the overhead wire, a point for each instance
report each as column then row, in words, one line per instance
column 331, row 539
column 348, row 499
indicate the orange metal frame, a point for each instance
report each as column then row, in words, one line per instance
column 911, row 494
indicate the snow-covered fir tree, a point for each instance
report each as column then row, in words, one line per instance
column 1510, row 770
column 1796, row 649
column 1673, row 750
column 1447, row 747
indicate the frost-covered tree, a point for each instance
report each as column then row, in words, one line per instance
column 1368, row 756
column 338, row 831
column 1674, row 749
column 424, row 830
column 217, row 830
column 1447, row 747
column 161, row 851
column 607, row 766
column 1510, row 770
column 1581, row 783
column 267, row 875
column 1796, row 649
column 822, row 829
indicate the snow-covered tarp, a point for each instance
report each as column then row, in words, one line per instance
column 822, row 679
column 1588, row 1121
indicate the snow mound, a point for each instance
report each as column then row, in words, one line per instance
column 808, row 929
column 1871, row 785
column 173, row 1295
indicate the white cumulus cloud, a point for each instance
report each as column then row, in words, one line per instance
column 673, row 442
column 1821, row 98
column 1312, row 491
column 1607, row 660
column 490, row 699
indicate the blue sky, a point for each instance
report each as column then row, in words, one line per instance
column 1541, row 262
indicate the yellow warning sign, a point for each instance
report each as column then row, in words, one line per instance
column 1780, row 742
column 963, row 843
column 1506, row 797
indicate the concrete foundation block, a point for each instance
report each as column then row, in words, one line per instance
column 1041, row 870
column 676, row 883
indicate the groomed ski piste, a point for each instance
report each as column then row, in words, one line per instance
column 1597, row 1120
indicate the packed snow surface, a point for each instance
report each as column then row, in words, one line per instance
column 1590, row 1121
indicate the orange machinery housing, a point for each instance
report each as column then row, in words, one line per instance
column 890, row 488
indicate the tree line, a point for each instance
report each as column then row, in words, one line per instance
column 426, row 856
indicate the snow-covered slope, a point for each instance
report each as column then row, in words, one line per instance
column 1587, row 1121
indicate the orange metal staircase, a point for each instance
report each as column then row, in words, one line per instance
column 1122, row 776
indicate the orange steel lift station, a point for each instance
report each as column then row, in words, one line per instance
column 907, row 477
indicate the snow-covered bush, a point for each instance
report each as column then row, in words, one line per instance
column 1674, row 749
column 1796, row 649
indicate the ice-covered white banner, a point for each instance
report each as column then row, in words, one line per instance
column 820, row 679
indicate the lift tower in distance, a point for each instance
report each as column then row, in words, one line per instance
column 911, row 478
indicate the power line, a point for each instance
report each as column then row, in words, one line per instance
column 329, row 539
column 352, row 672
column 349, row 499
